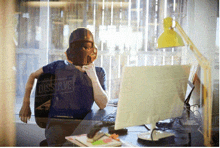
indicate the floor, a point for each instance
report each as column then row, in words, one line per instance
column 28, row 134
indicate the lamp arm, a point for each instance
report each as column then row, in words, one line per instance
column 202, row 60
column 205, row 64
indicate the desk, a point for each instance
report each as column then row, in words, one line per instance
column 182, row 138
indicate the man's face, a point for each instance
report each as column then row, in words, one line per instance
column 80, row 45
column 82, row 53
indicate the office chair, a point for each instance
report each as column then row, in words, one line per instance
column 43, row 95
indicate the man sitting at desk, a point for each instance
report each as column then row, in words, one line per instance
column 86, row 84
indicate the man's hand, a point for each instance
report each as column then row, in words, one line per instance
column 25, row 112
column 90, row 70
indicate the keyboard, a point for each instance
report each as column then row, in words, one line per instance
column 109, row 119
column 113, row 102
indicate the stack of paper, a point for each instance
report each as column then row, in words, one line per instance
column 105, row 141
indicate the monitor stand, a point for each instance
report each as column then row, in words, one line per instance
column 157, row 134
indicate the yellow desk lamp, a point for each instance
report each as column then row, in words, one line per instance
column 170, row 38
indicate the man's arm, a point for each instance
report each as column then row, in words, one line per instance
column 100, row 95
column 25, row 112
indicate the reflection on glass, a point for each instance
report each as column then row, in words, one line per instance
column 124, row 31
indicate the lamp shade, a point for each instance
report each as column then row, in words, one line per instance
column 169, row 38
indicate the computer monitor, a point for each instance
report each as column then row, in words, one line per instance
column 149, row 94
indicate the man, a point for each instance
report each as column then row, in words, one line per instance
column 86, row 85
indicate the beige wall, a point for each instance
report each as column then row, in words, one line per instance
column 7, row 74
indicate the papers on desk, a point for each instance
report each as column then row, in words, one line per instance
column 105, row 141
column 74, row 141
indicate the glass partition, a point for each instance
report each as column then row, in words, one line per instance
column 125, row 33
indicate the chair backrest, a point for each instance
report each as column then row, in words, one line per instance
column 43, row 95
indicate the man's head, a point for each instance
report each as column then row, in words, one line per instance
column 82, row 50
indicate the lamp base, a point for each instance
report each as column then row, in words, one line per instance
column 157, row 135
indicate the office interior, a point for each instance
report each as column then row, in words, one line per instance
column 126, row 31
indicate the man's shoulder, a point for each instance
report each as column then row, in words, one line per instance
column 60, row 62
column 53, row 66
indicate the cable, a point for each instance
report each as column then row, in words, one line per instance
column 151, row 135
column 145, row 125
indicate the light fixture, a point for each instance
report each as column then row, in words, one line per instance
column 54, row 4
column 169, row 38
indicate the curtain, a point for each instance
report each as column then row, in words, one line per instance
column 7, row 73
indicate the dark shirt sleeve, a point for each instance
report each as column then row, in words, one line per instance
column 102, row 77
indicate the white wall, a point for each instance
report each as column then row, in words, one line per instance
column 202, row 22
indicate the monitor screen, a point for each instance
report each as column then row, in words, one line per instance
column 149, row 94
